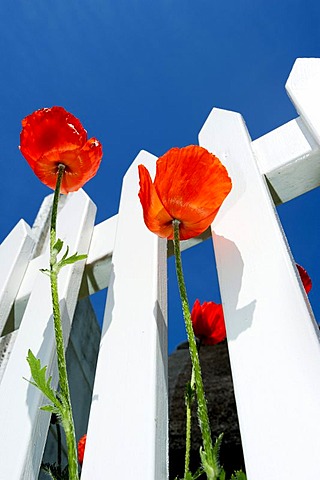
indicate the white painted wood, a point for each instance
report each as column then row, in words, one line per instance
column 21, row 448
column 272, row 337
column 127, row 434
column 81, row 357
column 6, row 346
column 303, row 88
column 15, row 252
column 98, row 264
column 289, row 156
column 290, row 159
column 26, row 287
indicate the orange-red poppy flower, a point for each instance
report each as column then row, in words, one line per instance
column 208, row 322
column 81, row 448
column 305, row 279
column 53, row 136
column 190, row 186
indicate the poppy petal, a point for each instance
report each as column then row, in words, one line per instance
column 191, row 183
column 208, row 322
column 50, row 130
column 305, row 279
column 81, row 448
column 155, row 215
column 53, row 136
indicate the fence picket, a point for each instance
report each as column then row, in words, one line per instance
column 15, row 252
column 127, row 434
column 303, row 89
column 272, row 337
column 26, row 426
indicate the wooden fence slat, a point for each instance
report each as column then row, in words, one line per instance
column 272, row 337
column 99, row 262
column 303, row 89
column 21, row 448
column 290, row 159
column 127, row 433
column 15, row 252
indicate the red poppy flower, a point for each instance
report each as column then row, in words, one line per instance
column 305, row 279
column 208, row 322
column 81, row 447
column 53, row 136
column 190, row 186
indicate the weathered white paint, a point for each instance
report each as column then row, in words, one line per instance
column 25, row 425
column 15, row 253
column 272, row 337
column 128, row 420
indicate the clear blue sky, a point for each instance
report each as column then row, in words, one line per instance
column 145, row 75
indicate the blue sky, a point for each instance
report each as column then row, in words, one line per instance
column 145, row 75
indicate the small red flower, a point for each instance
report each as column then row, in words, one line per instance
column 208, row 322
column 81, row 447
column 305, row 279
column 53, row 136
column 190, row 186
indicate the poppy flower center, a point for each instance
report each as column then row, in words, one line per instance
column 61, row 167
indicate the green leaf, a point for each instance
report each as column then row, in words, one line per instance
column 217, row 445
column 238, row 475
column 57, row 247
column 69, row 260
column 52, row 409
column 210, row 461
column 65, row 255
column 222, row 475
column 190, row 394
column 190, row 476
column 73, row 259
column 41, row 382
column 211, row 469
column 198, row 473
column 54, row 472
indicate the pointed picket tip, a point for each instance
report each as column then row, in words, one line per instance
column 217, row 117
column 15, row 253
column 145, row 158
column 15, row 248
column 77, row 201
column 79, row 195
column 20, row 230
column 303, row 89
column 303, row 71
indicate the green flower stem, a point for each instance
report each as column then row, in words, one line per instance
column 59, row 462
column 189, row 401
column 67, row 418
column 202, row 411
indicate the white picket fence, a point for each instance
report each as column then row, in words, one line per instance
column 272, row 336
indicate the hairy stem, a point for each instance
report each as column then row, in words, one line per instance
column 202, row 410
column 67, row 418
column 189, row 401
